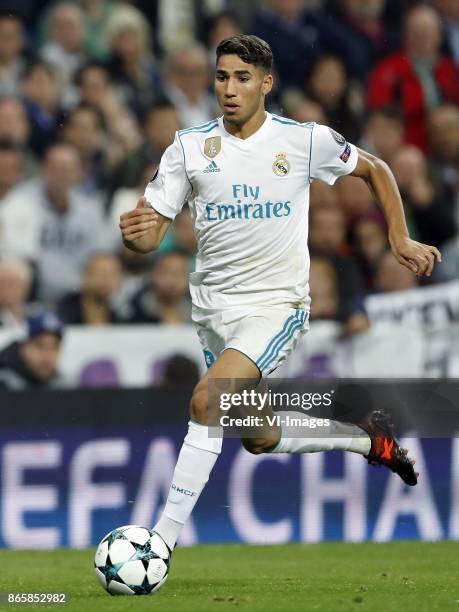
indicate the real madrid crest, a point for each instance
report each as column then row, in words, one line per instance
column 281, row 165
column 212, row 146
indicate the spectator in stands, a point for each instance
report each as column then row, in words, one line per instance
column 65, row 49
column 41, row 95
column 322, row 194
column 299, row 38
column 369, row 238
column 443, row 129
column 361, row 23
column 161, row 123
column 327, row 238
column 293, row 39
column 132, row 64
column 14, row 220
column 302, row 109
column 323, row 282
column 11, row 167
column 342, row 103
column 383, row 134
column 71, row 225
column 11, row 47
column 246, row 11
column 98, row 14
column 444, row 165
column 391, row 276
column 135, row 267
column 159, row 127
column 15, row 127
column 325, row 300
column 180, row 371
column 181, row 237
column 19, row 214
column 92, row 305
column 27, row 10
column 126, row 198
column 33, row 362
column 418, row 78
column 429, row 217
column 444, row 136
column 449, row 10
column 188, row 80
column 354, row 196
column 183, row 234
column 165, row 298
column 120, row 121
column 15, row 286
column 83, row 129
column 96, row 90
column 449, row 269
column 223, row 25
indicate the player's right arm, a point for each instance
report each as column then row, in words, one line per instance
column 144, row 227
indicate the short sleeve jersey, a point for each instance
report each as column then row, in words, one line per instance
column 249, row 201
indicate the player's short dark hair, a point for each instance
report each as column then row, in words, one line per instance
column 250, row 49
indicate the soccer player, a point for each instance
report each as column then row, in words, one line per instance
column 246, row 177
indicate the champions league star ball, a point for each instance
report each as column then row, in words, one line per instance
column 132, row 560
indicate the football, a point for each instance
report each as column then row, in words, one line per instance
column 131, row 560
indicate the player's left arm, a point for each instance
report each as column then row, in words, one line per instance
column 418, row 257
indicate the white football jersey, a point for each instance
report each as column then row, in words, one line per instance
column 249, row 201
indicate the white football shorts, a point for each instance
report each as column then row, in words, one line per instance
column 266, row 335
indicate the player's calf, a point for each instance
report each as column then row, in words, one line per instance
column 199, row 404
column 265, row 444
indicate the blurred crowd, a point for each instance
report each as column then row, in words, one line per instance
column 92, row 92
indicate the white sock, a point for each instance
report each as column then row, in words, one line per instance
column 195, row 462
column 338, row 436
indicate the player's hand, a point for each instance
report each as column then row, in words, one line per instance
column 417, row 257
column 136, row 223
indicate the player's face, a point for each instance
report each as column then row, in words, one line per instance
column 240, row 88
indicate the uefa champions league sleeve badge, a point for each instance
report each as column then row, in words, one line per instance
column 281, row 165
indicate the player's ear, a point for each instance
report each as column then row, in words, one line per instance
column 267, row 83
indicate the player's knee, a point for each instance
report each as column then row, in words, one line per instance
column 199, row 404
column 257, row 446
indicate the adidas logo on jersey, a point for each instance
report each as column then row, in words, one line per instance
column 212, row 167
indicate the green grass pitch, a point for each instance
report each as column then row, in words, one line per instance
column 328, row 577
